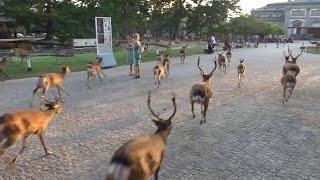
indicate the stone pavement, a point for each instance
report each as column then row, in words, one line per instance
column 250, row 134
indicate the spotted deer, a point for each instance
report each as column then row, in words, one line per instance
column 45, row 81
column 159, row 71
column 21, row 124
column 201, row 92
column 93, row 70
column 140, row 158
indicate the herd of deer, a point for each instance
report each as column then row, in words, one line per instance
column 138, row 158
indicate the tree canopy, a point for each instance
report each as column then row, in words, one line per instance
column 67, row 19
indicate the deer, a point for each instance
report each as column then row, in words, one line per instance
column 168, row 63
column 140, row 158
column 201, row 92
column 242, row 68
column 21, row 124
column 287, row 61
column 183, row 52
column 22, row 53
column 293, row 67
column 228, row 54
column 222, row 62
column 93, row 70
column 158, row 71
column 288, row 81
column 45, row 81
column 3, row 63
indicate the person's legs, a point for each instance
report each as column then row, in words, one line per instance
column 130, row 68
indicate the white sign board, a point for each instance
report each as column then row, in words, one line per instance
column 104, row 41
column 84, row 43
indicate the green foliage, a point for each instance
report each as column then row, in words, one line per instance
column 69, row 19
column 249, row 25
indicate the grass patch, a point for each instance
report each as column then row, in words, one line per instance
column 45, row 64
column 313, row 50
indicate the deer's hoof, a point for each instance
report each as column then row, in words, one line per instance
column 193, row 116
column 49, row 152
column 287, row 100
column 201, row 122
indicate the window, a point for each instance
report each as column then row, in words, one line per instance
column 315, row 13
column 298, row 13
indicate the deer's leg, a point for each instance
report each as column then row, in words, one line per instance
column 290, row 92
column 24, row 145
column 88, row 81
column 201, row 109
column 192, row 109
column 205, row 111
column 104, row 74
column 33, row 93
column 3, row 150
column 43, row 144
column 99, row 76
column 284, row 93
column 65, row 90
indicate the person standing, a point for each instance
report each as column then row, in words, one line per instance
column 213, row 42
column 130, row 55
column 137, row 51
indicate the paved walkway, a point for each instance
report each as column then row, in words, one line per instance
column 250, row 134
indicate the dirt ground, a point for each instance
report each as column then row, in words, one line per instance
column 250, row 134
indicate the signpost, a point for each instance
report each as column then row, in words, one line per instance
column 104, row 41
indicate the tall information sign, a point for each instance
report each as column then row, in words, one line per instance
column 104, row 41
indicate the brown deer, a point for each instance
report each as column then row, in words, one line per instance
column 21, row 124
column 183, row 52
column 22, row 53
column 294, row 67
column 288, row 81
column 168, row 63
column 3, row 63
column 287, row 61
column 222, row 62
column 140, row 158
column 242, row 68
column 45, row 81
column 201, row 92
column 228, row 54
column 158, row 71
column 93, row 70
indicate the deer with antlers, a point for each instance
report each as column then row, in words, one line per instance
column 291, row 66
column 95, row 69
column 222, row 62
column 3, row 63
column 22, row 53
column 140, row 158
column 21, row 124
column 45, row 81
column 201, row 92
column 183, row 52
column 242, row 68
